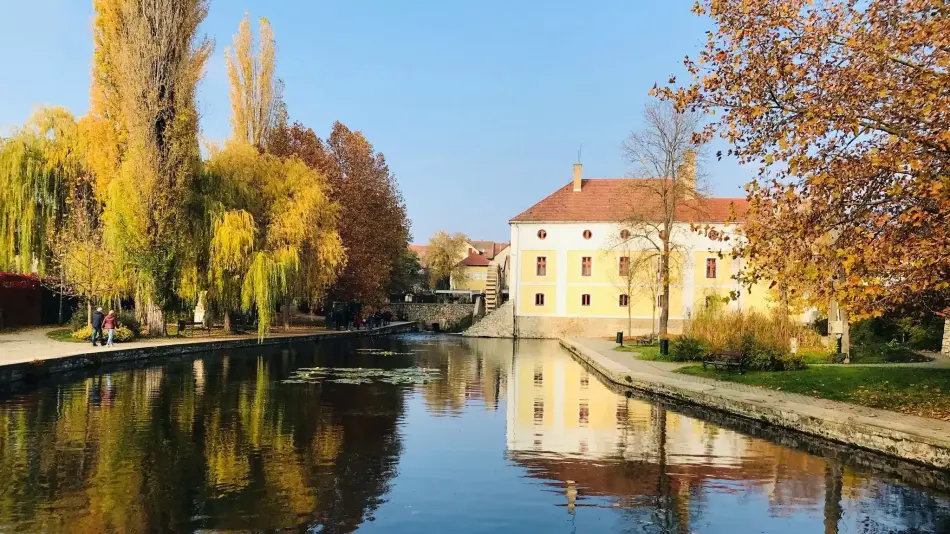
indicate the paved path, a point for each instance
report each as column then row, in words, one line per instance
column 917, row 438
column 32, row 344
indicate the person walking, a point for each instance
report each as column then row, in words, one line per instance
column 109, row 324
column 97, row 318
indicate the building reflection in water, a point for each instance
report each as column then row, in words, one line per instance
column 663, row 469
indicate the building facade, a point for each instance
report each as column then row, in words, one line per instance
column 580, row 266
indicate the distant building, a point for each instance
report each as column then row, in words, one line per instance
column 485, row 270
column 570, row 253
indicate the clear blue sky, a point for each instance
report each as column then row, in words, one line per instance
column 479, row 107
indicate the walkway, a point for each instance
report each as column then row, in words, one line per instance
column 910, row 437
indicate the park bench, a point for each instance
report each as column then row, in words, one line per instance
column 182, row 325
column 645, row 340
column 726, row 359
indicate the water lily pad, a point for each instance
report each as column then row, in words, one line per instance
column 359, row 375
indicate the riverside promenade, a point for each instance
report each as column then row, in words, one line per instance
column 918, row 439
column 29, row 354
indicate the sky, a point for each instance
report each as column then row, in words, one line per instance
column 479, row 107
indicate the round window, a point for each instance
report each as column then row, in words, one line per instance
column 587, row 234
column 542, row 234
column 714, row 235
column 625, row 234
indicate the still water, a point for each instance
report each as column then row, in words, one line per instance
column 501, row 437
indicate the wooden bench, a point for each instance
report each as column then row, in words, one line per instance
column 645, row 340
column 726, row 360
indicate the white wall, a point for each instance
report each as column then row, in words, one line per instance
column 564, row 237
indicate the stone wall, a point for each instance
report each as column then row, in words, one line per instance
column 534, row 327
column 496, row 324
column 444, row 315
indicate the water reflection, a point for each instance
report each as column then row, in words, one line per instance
column 516, row 437
column 671, row 473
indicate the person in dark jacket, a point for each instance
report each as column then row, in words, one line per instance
column 97, row 318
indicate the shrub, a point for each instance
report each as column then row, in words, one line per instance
column 686, row 349
column 78, row 319
column 764, row 339
column 127, row 319
column 122, row 334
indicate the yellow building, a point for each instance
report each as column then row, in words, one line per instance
column 584, row 259
column 473, row 276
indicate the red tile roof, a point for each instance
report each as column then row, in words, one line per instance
column 475, row 260
column 615, row 199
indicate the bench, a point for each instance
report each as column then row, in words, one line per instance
column 645, row 340
column 193, row 325
column 726, row 360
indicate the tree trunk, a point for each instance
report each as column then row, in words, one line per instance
column 665, row 280
column 285, row 312
column 154, row 318
column 227, row 322
column 88, row 311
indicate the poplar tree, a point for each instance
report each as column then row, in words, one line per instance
column 147, row 63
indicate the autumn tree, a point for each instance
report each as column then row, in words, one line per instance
column 40, row 166
column 274, row 237
column 635, row 273
column 146, row 65
column 665, row 195
column 374, row 226
column 843, row 106
column 82, row 266
column 256, row 92
column 444, row 256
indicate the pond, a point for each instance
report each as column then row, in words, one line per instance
column 418, row 434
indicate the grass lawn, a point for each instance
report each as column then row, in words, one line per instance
column 923, row 392
column 64, row 334
column 881, row 353
column 646, row 352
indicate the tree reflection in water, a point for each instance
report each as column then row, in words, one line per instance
column 218, row 442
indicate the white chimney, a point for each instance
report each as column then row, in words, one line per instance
column 578, row 177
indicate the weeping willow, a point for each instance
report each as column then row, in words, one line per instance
column 274, row 239
column 38, row 165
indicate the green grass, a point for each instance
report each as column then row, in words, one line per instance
column 64, row 335
column 924, row 392
column 646, row 352
column 878, row 353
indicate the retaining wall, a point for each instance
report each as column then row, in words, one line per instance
column 444, row 315
column 40, row 368
column 903, row 440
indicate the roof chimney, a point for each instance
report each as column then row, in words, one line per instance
column 687, row 174
column 578, row 174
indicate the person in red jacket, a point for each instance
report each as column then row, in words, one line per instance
column 109, row 324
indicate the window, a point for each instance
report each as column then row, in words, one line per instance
column 538, row 410
column 585, row 378
column 710, row 267
column 585, row 299
column 625, row 234
column 539, row 299
column 538, row 375
column 541, row 267
column 587, row 234
column 660, row 301
column 583, row 414
column 542, row 234
column 585, row 266
column 714, row 235
column 624, row 301
column 625, row 266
